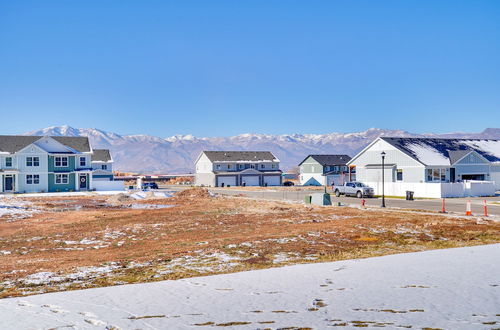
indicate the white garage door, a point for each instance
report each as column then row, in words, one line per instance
column 226, row 180
column 272, row 180
column 250, row 180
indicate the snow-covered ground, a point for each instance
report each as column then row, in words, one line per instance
column 449, row 289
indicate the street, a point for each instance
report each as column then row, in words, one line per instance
column 455, row 205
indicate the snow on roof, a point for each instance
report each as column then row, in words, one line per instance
column 440, row 152
column 428, row 155
column 489, row 147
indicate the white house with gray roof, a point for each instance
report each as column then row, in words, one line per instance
column 429, row 160
column 45, row 164
column 237, row 168
column 321, row 170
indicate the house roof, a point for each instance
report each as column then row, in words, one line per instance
column 436, row 152
column 79, row 143
column 101, row 155
column 329, row 160
column 15, row 143
column 240, row 156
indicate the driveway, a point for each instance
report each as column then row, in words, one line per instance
column 457, row 205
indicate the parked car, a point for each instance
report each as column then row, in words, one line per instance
column 357, row 189
column 288, row 183
column 149, row 185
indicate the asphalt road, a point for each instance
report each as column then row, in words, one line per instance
column 456, row 205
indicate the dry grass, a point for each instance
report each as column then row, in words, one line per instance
column 203, row 235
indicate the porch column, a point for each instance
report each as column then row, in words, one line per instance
column 89, row 181
column 16, row 180
column 1, row 183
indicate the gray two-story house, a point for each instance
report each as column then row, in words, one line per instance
column 237, row 168
column 321, row 170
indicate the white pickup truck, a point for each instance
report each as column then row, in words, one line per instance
column 357, row 189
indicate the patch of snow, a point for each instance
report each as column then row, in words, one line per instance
column 491, row 147
column 428, row 155
column 448, row 289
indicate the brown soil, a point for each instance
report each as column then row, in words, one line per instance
column 254, row 231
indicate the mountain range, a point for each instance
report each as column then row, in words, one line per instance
column 176, row 154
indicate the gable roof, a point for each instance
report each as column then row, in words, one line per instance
column 240, row 156
column 430, row 151
column 15, row 143
column 329, row 160
column 79, row 143
column 101, row 155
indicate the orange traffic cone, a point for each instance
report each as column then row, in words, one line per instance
column 468, row 210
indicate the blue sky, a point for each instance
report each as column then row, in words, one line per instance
column 219, row 68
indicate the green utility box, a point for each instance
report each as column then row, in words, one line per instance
column 321, row 199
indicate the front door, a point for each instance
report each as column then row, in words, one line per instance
column 83, row 181
column 9, row 183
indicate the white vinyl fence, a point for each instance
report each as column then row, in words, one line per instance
column 436, row 189
column 108, row 185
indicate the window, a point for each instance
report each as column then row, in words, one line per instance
column 399, row 175
column 262, row 166
column 62, row 179
column 83, row 161
column 32, row 179
column 241, row 166
column 218, row 166
column 29, row 161
column 228, row 166
column 105, row 167
column 61, row 161
column 436, row 174
column 273, row 166
column 8, row 162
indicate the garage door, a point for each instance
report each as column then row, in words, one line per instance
column 226, row 181
column 250, row 180
column 272, row 180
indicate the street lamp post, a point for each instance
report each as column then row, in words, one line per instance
column 383, row 179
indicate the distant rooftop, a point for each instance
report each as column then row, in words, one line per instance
column 240, row 156
column 330, row 160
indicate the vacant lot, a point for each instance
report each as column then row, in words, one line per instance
column 69, row 243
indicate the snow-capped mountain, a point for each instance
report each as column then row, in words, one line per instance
column 176, row 154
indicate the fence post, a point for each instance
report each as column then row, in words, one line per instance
column 443, row 209
column 485, row 209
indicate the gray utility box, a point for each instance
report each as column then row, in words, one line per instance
column 321, row 199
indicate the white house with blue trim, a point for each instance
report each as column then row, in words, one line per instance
column 447, row 163
column 47, row 164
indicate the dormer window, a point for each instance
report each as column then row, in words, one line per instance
column 228, row 166
column 217, row 166
column 241, row 166
column 262, row 166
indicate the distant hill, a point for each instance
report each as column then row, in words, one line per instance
column 176, row 154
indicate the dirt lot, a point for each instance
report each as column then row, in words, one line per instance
column 64, row 243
